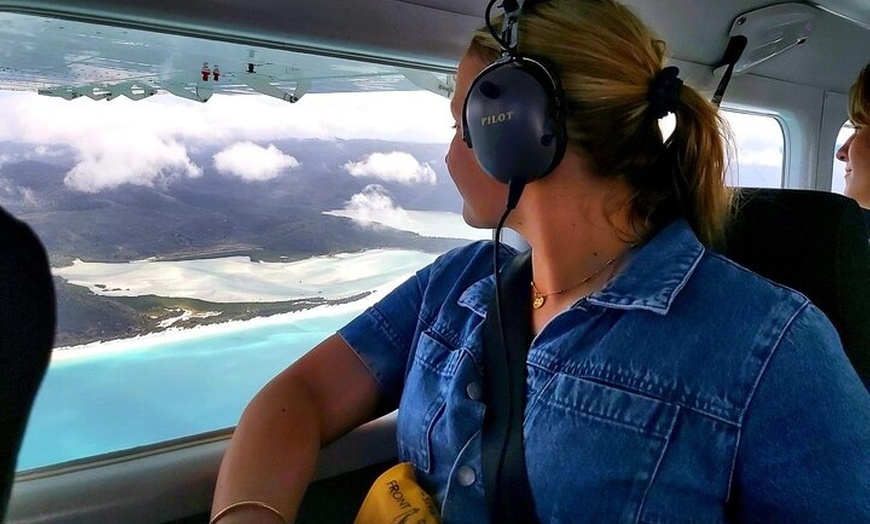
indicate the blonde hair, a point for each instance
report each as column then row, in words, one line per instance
column 606, row 59
column 859, row 98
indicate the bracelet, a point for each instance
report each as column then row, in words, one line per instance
column 222, row 513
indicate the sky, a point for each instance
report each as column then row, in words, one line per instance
column 140, row 142
column 149, row 141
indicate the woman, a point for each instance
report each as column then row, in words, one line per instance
column 856, row 151
column 665, row 383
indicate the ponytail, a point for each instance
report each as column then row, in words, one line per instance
column 697, row 166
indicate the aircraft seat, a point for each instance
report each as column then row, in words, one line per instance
column 814, row 242
column 27, row 328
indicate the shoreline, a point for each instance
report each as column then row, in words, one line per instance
column 174, row 334
column 181, row 334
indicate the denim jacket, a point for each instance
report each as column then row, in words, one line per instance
column 689, row 389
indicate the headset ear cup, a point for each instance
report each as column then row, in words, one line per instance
column 512, row 115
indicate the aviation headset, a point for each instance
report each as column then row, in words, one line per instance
column 513, row 115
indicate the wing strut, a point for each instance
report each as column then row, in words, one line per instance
column 263, row 84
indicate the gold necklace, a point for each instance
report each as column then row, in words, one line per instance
column 539, row 298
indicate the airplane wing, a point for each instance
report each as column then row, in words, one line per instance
column 105, row 62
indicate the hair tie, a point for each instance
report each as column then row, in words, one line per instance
column 664, row 92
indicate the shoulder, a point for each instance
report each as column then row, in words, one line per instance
column 440, row 284
column 732, row 323
column 465, row 254
column 725, row 279
column 779, row 323
column 468, row 263
column 768, row 310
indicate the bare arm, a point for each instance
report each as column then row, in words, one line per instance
column 273, row 453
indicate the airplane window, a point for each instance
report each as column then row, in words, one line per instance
column 199, row 248
column 838, row 182
column 760, row 142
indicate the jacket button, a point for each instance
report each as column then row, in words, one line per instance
column 466, row 476
column 474, row 391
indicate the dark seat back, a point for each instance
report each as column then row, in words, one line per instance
column 816, row 243
column 27, row 324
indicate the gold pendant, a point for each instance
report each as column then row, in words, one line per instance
column 538, row 301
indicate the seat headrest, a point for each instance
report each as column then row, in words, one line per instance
column 816, row 243
column 27, row 324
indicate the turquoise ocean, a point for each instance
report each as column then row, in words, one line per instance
column 160, row 388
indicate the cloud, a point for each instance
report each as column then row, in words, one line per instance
column 759, row 139
column 9, row 192
column 39, row 152
column 12, row 194
column 374, row 208
column 250, row 161
column 395, row 115
column 771, row 157
column 43, row 151
column 392, row 167
column 157, row 132
column 138, row 159
column 29, row 198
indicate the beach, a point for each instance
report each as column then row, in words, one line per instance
column 239, row 279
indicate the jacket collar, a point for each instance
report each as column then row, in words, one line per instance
column 652, row 279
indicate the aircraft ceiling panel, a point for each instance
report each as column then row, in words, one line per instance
column 857, row 11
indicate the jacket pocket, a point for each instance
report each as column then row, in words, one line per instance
column 593, row 450
column 424, row 399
